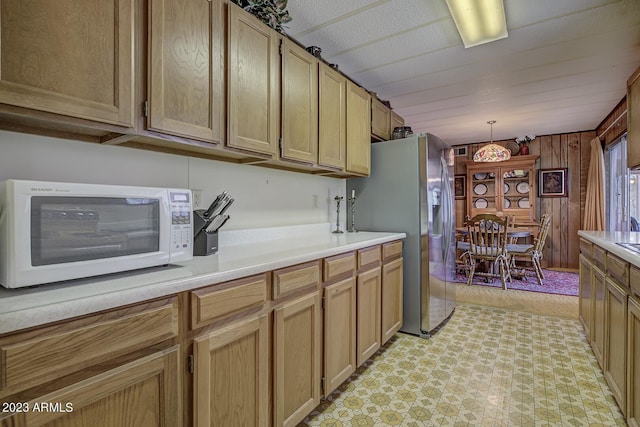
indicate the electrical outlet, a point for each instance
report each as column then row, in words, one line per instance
column 197, row 198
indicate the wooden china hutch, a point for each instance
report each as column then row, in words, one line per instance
column 503, row 188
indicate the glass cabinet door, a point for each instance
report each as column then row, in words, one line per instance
column 516, row 189
column 484, row 197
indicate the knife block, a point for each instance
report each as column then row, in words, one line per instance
column 203, row 243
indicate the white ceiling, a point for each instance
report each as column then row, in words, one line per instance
column 563, row 67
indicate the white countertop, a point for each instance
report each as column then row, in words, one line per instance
column 242, row 253
column 608, row 239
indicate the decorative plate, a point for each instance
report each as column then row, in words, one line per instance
column 523, row 202
column 506, row 188
column 513, row 146
column 506, row 203
column 481, row 203
column 522, row 187
column 480, row 176
column 480, row 189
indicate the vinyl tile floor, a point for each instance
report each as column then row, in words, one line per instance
column 487, row 366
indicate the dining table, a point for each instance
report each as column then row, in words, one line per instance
column 512, row 232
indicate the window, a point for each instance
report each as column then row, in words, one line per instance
column 622, row 189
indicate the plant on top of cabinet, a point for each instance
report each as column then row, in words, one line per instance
column 271, row 12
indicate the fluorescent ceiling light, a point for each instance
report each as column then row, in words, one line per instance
column 479, row 21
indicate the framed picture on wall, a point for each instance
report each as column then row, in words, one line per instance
column 552, row 182
column 460, row 186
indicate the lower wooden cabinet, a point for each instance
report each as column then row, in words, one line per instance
column 391, row 310
column 297, row 355
column 231, row 375
column 142, row 393
column 597, row 334
column 585, row 296
column 633, row 363
column 368, row 314
column 339, row 333
column 615, row 334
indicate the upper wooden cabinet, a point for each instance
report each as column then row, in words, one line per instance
column 69, row 57
column 186, row 69
column 396, row 121
column 380, row 120
column 253, row 84
column 299, row 104
column 633, row 120
column 332, row 126
column 504, row 188
column 358, row 130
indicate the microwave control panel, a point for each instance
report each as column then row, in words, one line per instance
column 181, row 226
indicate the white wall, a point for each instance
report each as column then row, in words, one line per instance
column 263, row 197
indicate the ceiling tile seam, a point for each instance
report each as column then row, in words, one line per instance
column 340, row 18
column 452, row 118
column 575, row 39
column 390, row 36
column 565, row 15
column 379, row 88
column 479, row 93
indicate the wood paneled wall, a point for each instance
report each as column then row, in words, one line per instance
column 568, row 150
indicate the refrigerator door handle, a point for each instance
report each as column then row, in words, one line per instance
column 446, row 194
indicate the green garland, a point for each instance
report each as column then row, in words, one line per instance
column 271, row 12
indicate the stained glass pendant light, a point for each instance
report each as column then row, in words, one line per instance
column 492, row 152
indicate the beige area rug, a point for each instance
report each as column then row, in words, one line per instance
column 511, row 299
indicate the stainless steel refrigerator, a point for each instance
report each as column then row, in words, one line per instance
column 410, row 190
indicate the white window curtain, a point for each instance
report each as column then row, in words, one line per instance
column 595, row 200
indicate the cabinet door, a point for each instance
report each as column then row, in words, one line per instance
column 396, row 120
column 368, row 309
column 615, row 335
column 231, row 376
column 299, row 104
column 483, row 191
column 297, row 354
column 71, row 57
column 633, row 363
column 586, row 296
column 142, row 393
column 186, row 84
column 253, row 90
column 332, row 126
column 597, row 333
column 391, row 316
column 633, row 120
column 358, row 130
column 339, row 333
column 380, row 119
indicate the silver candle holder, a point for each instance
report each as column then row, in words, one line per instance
column 352, row 199
column 338, row 199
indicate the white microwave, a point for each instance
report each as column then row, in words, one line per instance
column 54, row 231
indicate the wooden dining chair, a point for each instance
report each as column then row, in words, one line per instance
column 532, row 252
column 487, row 235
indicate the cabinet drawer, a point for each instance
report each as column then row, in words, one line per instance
column 52, row 352
column 586, row 248
column 339, row 265
column 297, row 277
column 368, row 256
column 634, row 280
column 618, row 269
column 599, row 256
column 221, row 300
column 391, row 250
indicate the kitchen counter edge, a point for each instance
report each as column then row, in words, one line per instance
column 608, row 239
column 31, row 307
